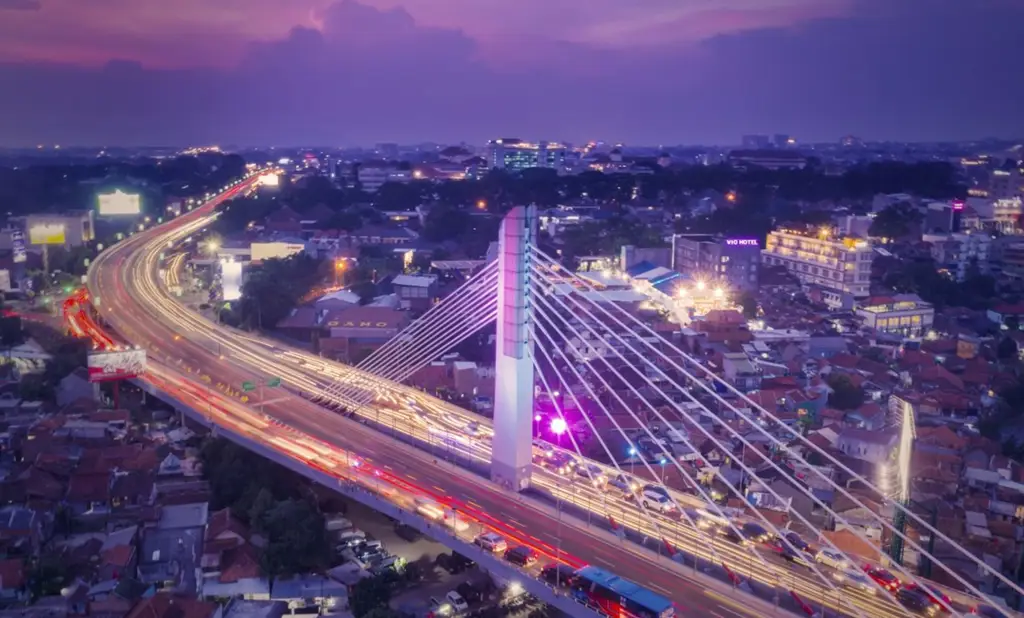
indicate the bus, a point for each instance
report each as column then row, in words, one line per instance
column 619, row 598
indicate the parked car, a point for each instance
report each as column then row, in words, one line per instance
column 456, row 601
column 440, row 607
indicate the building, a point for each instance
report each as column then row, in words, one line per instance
column 415, row 291
column 903, row 314
column 372, row 176
column 733, row 262
column 836, row 264
column 515, row 154
column 755, row 142
column 956, row 252
column 768, row 159
column 1002, row 215
column 351, row 334
column 630, row 256
column 1003, row 184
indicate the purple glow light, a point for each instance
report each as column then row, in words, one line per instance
column 558, row 426
column 537, row 418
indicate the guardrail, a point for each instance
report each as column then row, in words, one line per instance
column 553, row 596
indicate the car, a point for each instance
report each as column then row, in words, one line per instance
column 440, row 607
column 797, row 542
column 833, row 559
column 729, row 533
column 492, row 542
column 656, row 500
column 915, row 600
column 456, row 601
column 936, row 596
column 853, row 578
column 795, row 557
column 521, row 555
column 558, row 574
column 592, row 472
column 624, row 484
column 559, row 462
column 882, row 577
column 755, row 533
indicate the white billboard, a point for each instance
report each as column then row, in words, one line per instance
column 107, row 366
column 270, row 180
column 119, row 203
column 231, row 279
column 47, row 234
column 260, row 251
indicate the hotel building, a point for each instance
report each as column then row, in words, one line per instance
column 837, row 264
column 515, row 154
column 904, row 314
column 732, row 262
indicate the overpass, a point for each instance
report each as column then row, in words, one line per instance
column 415, row 441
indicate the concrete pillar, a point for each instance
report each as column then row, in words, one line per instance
column 512, row 448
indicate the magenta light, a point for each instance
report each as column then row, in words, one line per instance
column 537, row 418
column 558, row 426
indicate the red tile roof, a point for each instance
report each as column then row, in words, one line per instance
column 166, row 605
column 12, row 574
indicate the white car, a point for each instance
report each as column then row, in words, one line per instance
column 456, row 601
column 657, row 500
column 833, row 559
column 855, row 578
column 492, row 542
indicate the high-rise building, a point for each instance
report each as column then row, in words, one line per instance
column 841, row 265
column 781, row 140
column 755, row 142
column 957, row 252
column 515, row 154
column 729, row 261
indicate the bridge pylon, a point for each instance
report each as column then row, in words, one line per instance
column 511, row 449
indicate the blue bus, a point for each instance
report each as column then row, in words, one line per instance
column 619, row 598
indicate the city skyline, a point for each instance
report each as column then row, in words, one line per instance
column 352, row 72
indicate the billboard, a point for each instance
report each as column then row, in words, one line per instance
column 270, row 180
column 5, row 281
column 47, row 234
column 18, row 247
column 107, row 366
column 275, row 249
column 231, row 279
column 118, row 203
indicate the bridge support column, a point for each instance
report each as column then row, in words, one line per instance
column 512, row 446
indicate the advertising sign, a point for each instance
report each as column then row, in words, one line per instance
column 5, row 281
column 47, row 234
column 118, row 203
column 231, row 280
column 270, row 180
column 108, row 366
column 18, row 246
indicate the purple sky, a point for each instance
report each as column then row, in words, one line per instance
column 346, row 72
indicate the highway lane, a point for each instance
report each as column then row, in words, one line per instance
column 144, row 322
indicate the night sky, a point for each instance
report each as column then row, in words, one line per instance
column 350, row 72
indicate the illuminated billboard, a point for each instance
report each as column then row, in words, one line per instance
column 118, row 203
column 18, row 247
column 741, row 242
column 274, row 250
column 47, row 234
column 231, row 279
column 108, row 366
column 270, row 180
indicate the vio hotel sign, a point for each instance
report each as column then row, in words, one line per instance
column 741, row 242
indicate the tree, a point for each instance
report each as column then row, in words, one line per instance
column 845, row 394
column 894, row 222
column 370, row 594
column 262, row 504
column 1007, row 349
column 748, row 302
column 444, row 223
column 297, row 541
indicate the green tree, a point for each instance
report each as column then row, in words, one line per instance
column 371, row 594
column 845, row 394
column 445, row 223
column 895, row 221
column 297, row 541
column 748, row 302
column 1007, row 349
column 261, row 505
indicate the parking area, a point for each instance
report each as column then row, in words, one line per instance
column 408, row 545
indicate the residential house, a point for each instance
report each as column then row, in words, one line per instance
column 872, row 446
column 75, row 386
column 169, row 605
column 88, row 494
column 230, row 562
column 416, row 292
column 740, row 372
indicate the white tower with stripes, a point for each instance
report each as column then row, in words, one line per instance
column 512, row 451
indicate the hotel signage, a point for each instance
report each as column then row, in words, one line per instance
column 741, row 242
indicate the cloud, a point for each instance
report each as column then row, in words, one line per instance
column 359, row 75
column 20, row 5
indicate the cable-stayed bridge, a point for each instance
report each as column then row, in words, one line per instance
column 561, row 340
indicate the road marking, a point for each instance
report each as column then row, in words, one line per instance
column 273, row 401
column 727, row 603
column 516, row 523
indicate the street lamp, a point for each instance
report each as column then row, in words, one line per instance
column 558, row 426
